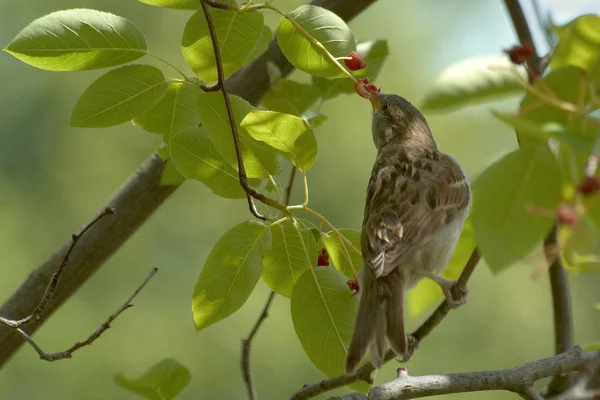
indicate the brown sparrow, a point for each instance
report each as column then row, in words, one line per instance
column 417, row 201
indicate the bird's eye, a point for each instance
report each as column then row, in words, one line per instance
column 385, row 107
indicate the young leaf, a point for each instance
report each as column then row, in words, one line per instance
column 472, row 81
column 230, row 273
column 323, row 312
column 163, row 381
column 506, row 198
column 544, row 131
column 339, row 251
column 578, row 43
column 290, row 97
column 175, row 112
column 242, row 38
column 286, row 261
column 289, row 134
column 78, row 39
column 171, row 175
column 427, row 293
column 196, row 158
column 373, row 53
column 326, row 28
column 119, row 96
column 259, row 159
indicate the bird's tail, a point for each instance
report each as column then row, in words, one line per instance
column 380, row 316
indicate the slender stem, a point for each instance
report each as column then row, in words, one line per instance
column 183, row 74
column 523, row 32
column 288, row 190
column 305, row 181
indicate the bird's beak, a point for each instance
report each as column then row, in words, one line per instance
column 374, row 99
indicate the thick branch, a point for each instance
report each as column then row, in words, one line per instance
column 136, row 201
column 518, row 379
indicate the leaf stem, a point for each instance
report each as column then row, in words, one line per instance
column 162, row 60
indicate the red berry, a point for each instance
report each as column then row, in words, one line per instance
column 567, row 215
column 361, row 87
column 323, row 259
column 519, row 54
column 353, row 285
column 372, row 88
column 590, row 186
column 355, row 62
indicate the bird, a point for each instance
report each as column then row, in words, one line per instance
column 417, row 201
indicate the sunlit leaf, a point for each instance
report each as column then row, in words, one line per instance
column 197, row 158
column 428, row 293
column 290, row 97
column 173, row 113
column 78, row 39
column 180, row 4
column 344, row 257
column 260, row 159
column 163, row 381
column 581, row 245
column 472, row 81
column 578, row 43
column 511, row 200
column 242, row 37
column 230, row 273
column 323, row 312
column 373, row 53
column 171, row 175
column 289, row 134
column 327, row 28
column 119, row 96
column 287, row 260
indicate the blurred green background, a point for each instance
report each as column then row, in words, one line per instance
column 52, row 179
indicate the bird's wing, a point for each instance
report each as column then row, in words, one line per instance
column 409, row 200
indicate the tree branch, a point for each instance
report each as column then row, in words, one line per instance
column 364, row 372
column 517, row 379
column 136, row 201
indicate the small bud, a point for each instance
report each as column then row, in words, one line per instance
column 590, row 186
column 567, row 215
column 353, row 285
column 355, row 62
column 323, row 259
column 519, row 54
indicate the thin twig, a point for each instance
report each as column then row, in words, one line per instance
column 251, row 193
column 521, row 26
column 61, row 355
column 517, row 379
column 364, row 372
column 55, row 279
column 247, row 343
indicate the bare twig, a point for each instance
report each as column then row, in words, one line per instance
column 523, row 32
column 61, row 355
column 247, row 343
column 141, row 195
column 364, row 372
column 55, row 279
column 517, row 379
column 580, row 390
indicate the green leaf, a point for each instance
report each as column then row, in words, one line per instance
column 287, row 260
column 289, row 134
column 119, row 96
column 171, row 175
column 544, row 131
column 196, row 158
column 578, row 43
column 472, row 82
column 163, row 381
column 181, row 4
column 428, row 293
column 78, row 39
column 505, row 199
column 230, row 273
column 373, row 53
column 323, row 311
column 242, row 37
column 259, row 159
column 344, row 258
column 581, row 244
column 175, row 112
column 326, row 28
column 290, row 97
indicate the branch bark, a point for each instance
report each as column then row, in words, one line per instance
column 136, row 200
column 517, row 379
